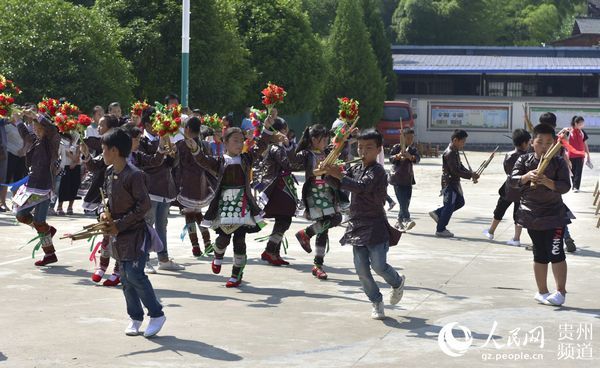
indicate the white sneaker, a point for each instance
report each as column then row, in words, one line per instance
column 170, row 265
column 154, row 326
column 396, row 294
column 409, row 225
column 513, row 243
column 541, row 298
column 378, row 311
column 556, row 298
column 399, row 225
column 434, row 216
column 149, row 268
column 133, row 328
column 575, row 190
column 444, row 234
column 488, row 235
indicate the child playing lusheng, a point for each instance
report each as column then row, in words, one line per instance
column 403, row 177
column 543, row 213
column 233, row 212
column 320, row 200
column 128, row 202
column 452, row 171
column 368, row 230
column 521, row 139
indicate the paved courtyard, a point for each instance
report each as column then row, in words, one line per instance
column 284, row 317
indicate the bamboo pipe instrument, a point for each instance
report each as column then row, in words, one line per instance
column 335, row 153
column 469, row 166
column 545, row 161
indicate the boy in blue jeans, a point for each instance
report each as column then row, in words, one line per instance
column 128, row 202
column 452, row 171
column 368, row 230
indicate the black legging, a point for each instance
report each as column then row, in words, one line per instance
column 282, row 224
column 577, row 171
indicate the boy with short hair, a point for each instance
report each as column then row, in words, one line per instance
column 452, row 171
column 368, row 230
column 521, row 139
column 403, row 177
column 543, row 212
column 128, row 202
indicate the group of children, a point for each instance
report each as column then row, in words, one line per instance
column 535, row 195
column 142, row 174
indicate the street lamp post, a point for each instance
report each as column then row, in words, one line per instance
column 185, row 53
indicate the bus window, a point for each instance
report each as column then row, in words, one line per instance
column 394, row 113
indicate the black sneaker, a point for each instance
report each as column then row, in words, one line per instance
column 570, row 245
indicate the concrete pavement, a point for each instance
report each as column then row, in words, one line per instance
column 55, row 316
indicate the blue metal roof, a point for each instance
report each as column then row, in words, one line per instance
column 461, row 64
column 536, row 51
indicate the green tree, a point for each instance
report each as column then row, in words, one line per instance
column 219, row 70
column 387, row 13
column 484, row 22
column 321, row 14
column 54, row 48
column 283, row 50
column 353, row 67
column 381, row 45
column 88, row 3
column 446, row 22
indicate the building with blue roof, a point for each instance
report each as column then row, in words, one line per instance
column 490, row 89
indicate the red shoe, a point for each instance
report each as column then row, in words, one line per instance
column 282, row 261
column 319, row 273
column 196, row 251
column 304, row 240
column 233, row 282
column 97, row 276
column 215, row 267
column 114, row 280
column 47, row 260
column 270, row 258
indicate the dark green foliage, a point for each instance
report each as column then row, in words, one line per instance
column 54, row 48
column 354, row 71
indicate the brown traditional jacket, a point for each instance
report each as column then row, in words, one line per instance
column 368, row 223
column 160, row 178
column 40, row 158
column 541, row 208
column 195, row 181
column 218, row 164
column 453, row 169
column 128, row 202
column 510, row 159
column 403, row 169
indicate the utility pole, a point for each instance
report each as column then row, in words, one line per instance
column 185, row 53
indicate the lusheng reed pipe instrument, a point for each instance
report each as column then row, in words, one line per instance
column 402, row 138
column 528, row 124
column 469, row 166
column 335, row 152
column 485, row 163
column 548, row 156
column 99, row 228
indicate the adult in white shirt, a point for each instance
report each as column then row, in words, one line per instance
column 71, row 178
